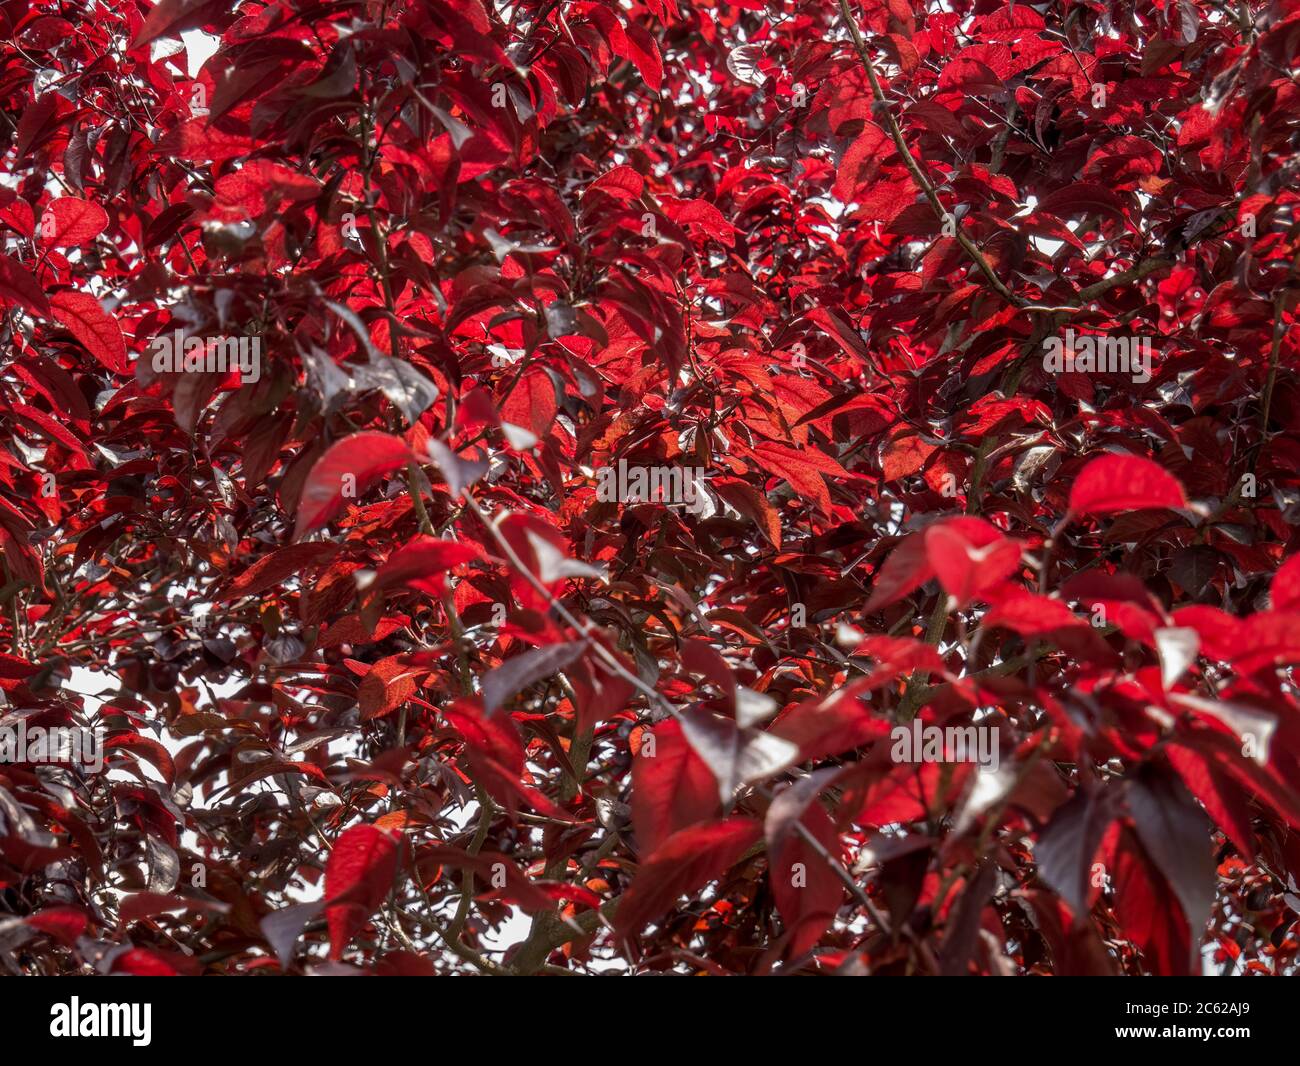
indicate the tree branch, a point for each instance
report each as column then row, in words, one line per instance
column 914, row 168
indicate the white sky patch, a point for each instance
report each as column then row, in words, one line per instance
column 199, row 47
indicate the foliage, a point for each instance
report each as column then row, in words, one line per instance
column 386, row 679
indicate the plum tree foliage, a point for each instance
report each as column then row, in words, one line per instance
column 491, row 483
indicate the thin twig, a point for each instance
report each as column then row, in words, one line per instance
column 914, row 168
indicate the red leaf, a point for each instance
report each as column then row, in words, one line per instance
column 910, row 565
column 358, row 875
column 830, row 725
column 64, row 924
column 1260, row 782
column 69, row 221
column 700, row 215
column 345, row 472
column 140, row 905
column 906, row 569
column 15, row 668
column 965, row 569
column 1068, row 845
column 904, row 455
column 969, row 77
column 645, row 55
column 424, row 563
column 861, row 161
column 493, row 736
column 352, row 629
column 1221, row 798
column 169, row 17
column 1271, row 638
column 532, row 404
column 1120, row 162
column 527, row 668
column 405, row 964
column 1175, row 834
column 753, row 504
column 1148, row 912
column 262, row 183
column 1219, row 632
column 276, row 567
column 147, row 748
column 1123, row 483
column 1029, row 614
column 622, row 183
column 85, row 318
column 18, row 216
column 807, row 890
column 682, row 865
column 18, row 286
column 34, row 127
column 387, row 685
column 144, row 962
column 672, row 788
column 1284, row 593
column 802, row 469
column 903, row 796
column 901, row 654
column 1082, row 198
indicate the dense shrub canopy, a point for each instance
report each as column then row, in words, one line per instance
column 512, row 486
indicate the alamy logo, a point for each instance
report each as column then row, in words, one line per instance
column 178, row 354
column 669, row 485
column 1090, row 354
column 102, row 1019
column 57, row 744
column 916, row 743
